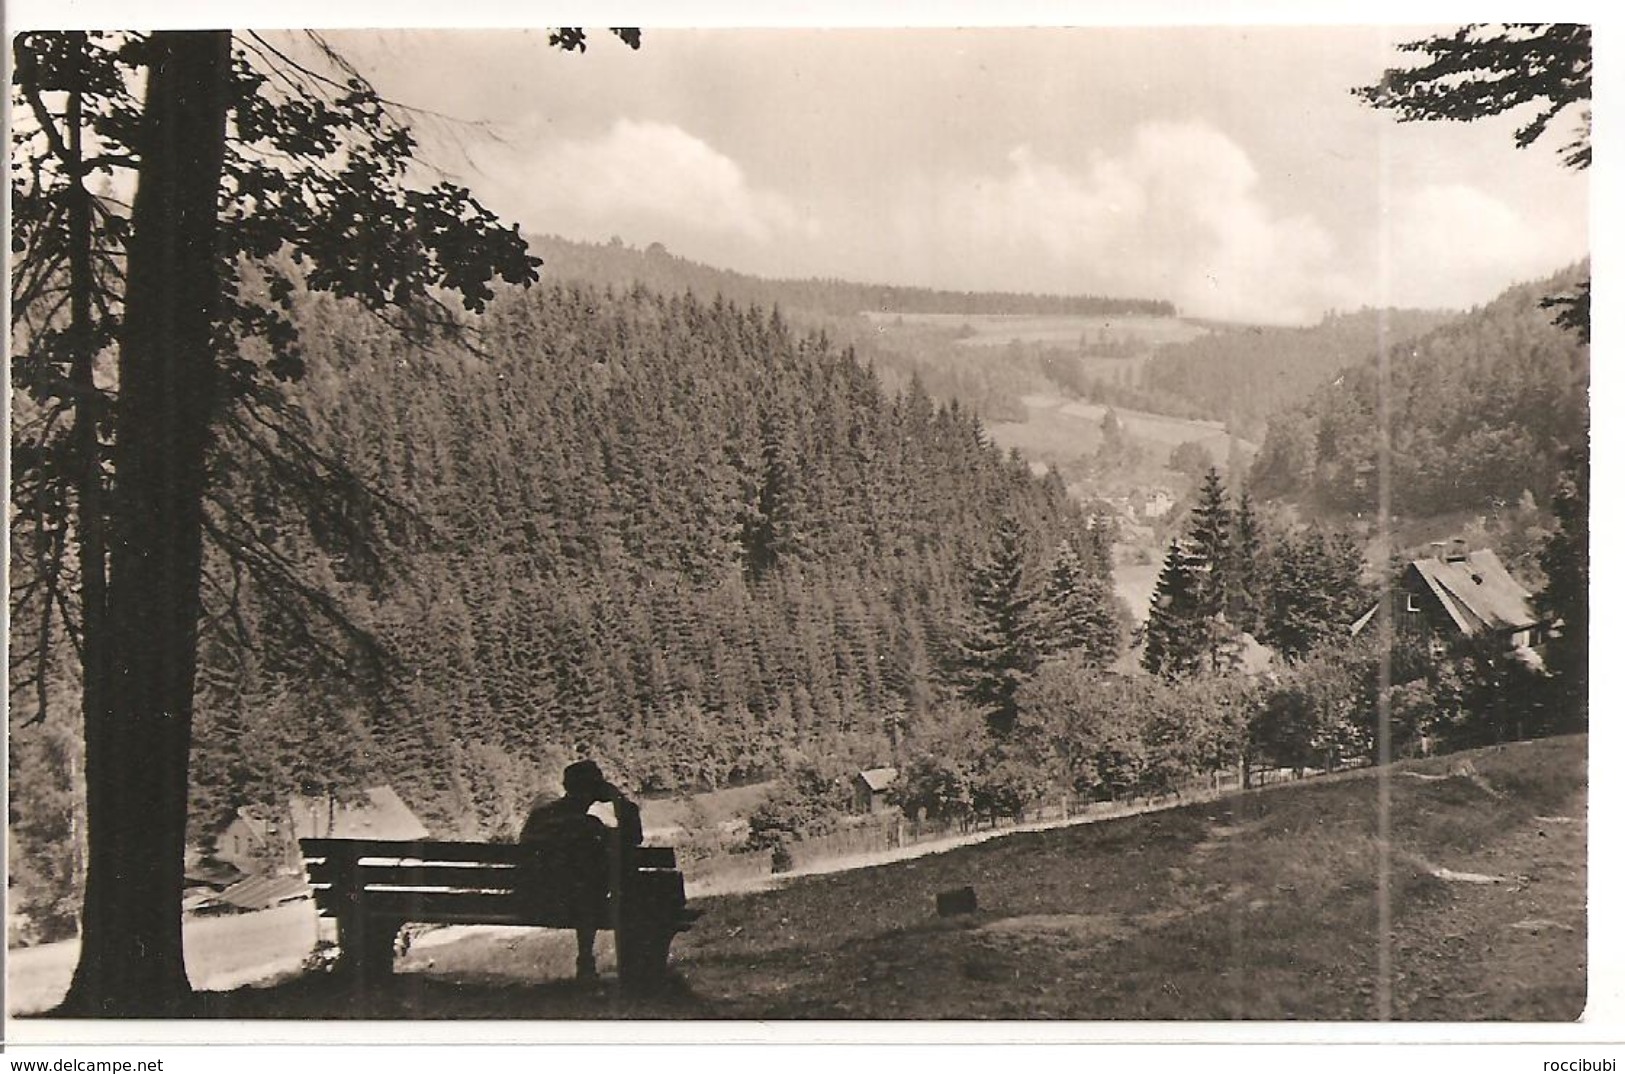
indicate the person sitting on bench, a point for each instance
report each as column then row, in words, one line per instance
column 565, row 822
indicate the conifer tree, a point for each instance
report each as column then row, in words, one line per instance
column 1566, row 559
column 1314, row 591
column 1174, row 646
column 775, row 529
column 1189, row 627
column 999, row 651
column 1077, row 613
column 1208, row 543
column 1247, row 567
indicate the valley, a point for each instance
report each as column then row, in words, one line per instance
column 1040, row 531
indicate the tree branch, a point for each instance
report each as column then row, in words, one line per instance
column 28, row 76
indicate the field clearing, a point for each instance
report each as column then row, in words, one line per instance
column 998, row 330
column 1157, row 428
column 1262, row 905
column 1135, row 584
column 704, row 809
column 1061, row 430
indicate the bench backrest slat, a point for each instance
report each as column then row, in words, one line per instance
column 421, row 850
column 369, row 875
column 451, row 881
column 451, row 851
column 473, row 908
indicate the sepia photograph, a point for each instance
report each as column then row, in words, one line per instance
column 930, row 526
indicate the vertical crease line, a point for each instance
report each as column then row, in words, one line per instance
column 1384, row 534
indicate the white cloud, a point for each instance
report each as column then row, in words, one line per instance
column 1455, row 245
column 1178, row 215
column 1178, row 212
column 644, row 181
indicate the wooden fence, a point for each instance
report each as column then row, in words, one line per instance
column 889, row 832
column 718, row 871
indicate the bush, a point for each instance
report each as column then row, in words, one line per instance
column 1320, row 712
column 1412, row 713
column 1004, row 786
column 935, row 787
column 807, row 803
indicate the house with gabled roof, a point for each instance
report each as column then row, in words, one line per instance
column 1461, row 594
column 256, row 858
column 378, row 814
column 254, row 840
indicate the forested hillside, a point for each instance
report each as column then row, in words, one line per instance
column 989, row 382
column 668, row 533
column 1243, row 374
column 615, row 264
column 1481, row 410
column 695, row 539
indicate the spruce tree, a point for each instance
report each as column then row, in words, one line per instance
column 1209, row 546
column 1313, row 592
column 1173, row 645
column 1247, row 571
column 998, row 650
column 1566, row 559
column 1077, row 614
column 1195, row 612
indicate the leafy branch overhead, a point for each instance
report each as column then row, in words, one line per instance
column 574, row 38
column 1485, row 70
column 161, row 444
column 320, row 192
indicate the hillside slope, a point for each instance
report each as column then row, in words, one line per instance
column 618, row 265
column 674, row 535
column 1244, row 373
column 871, row 318
column 1259, row 906
column 1479, row 410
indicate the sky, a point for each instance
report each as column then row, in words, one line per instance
column 1227, row 169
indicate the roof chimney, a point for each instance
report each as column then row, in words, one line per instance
column 1439, row 549
column 1458, row 551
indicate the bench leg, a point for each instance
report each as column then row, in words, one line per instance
column 367, row 947
column 641, row 956
column 586, row 960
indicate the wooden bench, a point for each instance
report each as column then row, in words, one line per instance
column 372, row 887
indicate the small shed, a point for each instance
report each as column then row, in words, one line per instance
column 869, row 789
column 264, row 892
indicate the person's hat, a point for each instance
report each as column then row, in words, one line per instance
column 585, row 777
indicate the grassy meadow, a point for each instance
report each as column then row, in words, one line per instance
column 1260, row 906
column 1067, row 432
column 1057, row 330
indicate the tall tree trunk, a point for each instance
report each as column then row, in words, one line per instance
column 90, row 480
column 138, row 734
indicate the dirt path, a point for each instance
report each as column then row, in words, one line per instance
column 221, row 953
